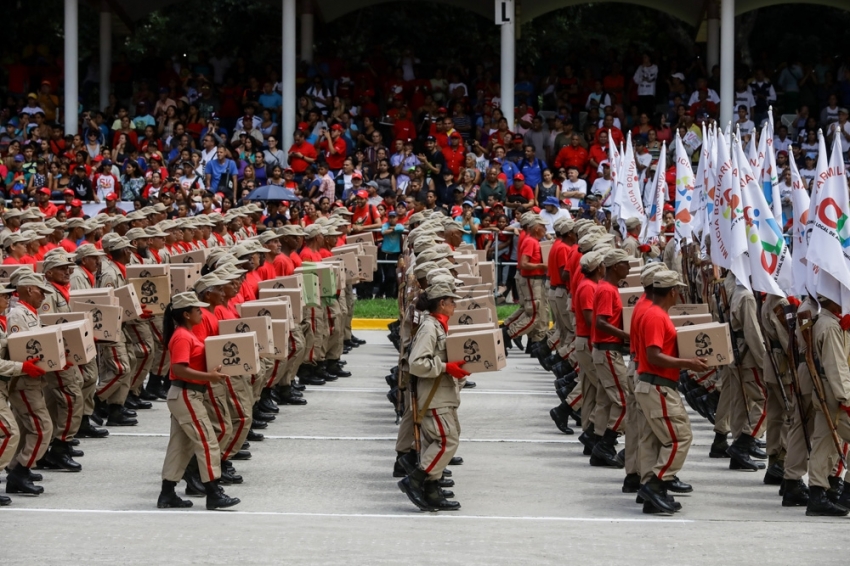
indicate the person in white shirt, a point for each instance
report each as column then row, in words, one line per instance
column 645, row 77
column 703, row 84
column 551, row 212
column 602, row 185
column 781, row 141
column 785, row 188
column 744, row 96
column 841, row 127
column 598, row 97
column 744, row 124
column 808, row 173
column 573, row 187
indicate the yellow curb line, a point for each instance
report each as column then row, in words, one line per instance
column 375, row 323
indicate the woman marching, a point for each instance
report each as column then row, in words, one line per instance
column 192, row 432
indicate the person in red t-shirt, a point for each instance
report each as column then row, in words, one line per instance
column 334, row 148
column 657, row 396
column 301, row 153
column 593, row 271
column 403, row 127
column 608, row 338
column 190, row 378
column 534, row 319
column 519, row 194
column 364, row 216
column 573, row 155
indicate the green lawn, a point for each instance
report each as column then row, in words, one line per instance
column 388, row 308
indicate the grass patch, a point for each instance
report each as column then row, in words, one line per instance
column 388, row 308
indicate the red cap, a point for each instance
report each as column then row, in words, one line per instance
column 518, row 137
column 357, row 175
column 456, row 211
column 111, row 196
column 44, row 191
column 535, row 209
column 156, row 156
column 519, row 177
column 362, row 194
column 303, row 126
column 457, row 134
column 98, row 158
column 442, row 110
column 76, row 202
column 289, row 169
column 68, row 192
column 338, row 128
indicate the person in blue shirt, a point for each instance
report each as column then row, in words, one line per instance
column 532, row 167
column 469, row 221
column 270, row 99
column 219, row 172
column 390, row 250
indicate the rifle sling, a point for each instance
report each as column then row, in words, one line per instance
column 428, row 399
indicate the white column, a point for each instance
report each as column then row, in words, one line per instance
column 727, row 61
column 508, row 65
column 105, row 53
column 72, row 79
column 287, row 77
column 307, row 31
column 713, row 37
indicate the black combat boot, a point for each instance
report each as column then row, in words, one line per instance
column 655, row 493
column 719, row 447
column 819, row 504
column 89, row 430
column 506, row 338
column 289, row 396
column 266, row 404
column 216, row 498
column 796, row 494
column 334, row 368
column 456, row 461
column 836, row 488
column 153, row 387
column 775, row 471
column 413, row 486
column 117, row 417
column 739, row 452
column 322, row 373
column 589, row 439
column 678, row 486
column 631, row 483
column 59, row 456
column 18, row 481
column 228, row 473
column 134, row 402
column 255, row 436
column 408, row 462
column 192, row 477
column 561, row 416
column 604, row 454
column 168, row 498
column 550, row 361
column 307, row 375
column 357, row 341
column 437, row 500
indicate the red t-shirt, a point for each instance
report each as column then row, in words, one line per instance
column 531, row 248
column 336, row 160
column 583, row 301
column 656, row 329
column 298, row 164
column 558, row 256
column 68, row 245
column 525, row 192
column 607, row 303
column 640, row 308
column 574, row 267
column 207, row 327
column 296, row 259
column 226, row 313
column 185, row 348
column 266, row 271
column 283, row 266
column 364, row 215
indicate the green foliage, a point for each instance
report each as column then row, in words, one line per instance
column 388, row 308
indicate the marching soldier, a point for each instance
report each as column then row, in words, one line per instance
column 780, row 404
column 534, row 319
column 592, row 271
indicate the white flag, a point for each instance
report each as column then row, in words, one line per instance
column 628, row 203
column 799, row 236
column 684, row 193
column 733, row 214
column 829, row 245
column 770, row 260
column 769, row 178
column 654, row 225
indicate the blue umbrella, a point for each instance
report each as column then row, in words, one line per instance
column 272, row 192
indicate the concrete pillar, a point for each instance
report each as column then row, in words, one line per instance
column 105, row 53
column 72, row 63
column 713, row 37
column 287, row 77
column 307, row 31
column 727, row 61
column 508, row 65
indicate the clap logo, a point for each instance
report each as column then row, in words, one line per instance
column 230, row 354
column 470, row 351
column 831, row 215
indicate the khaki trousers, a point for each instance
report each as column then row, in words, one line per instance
column 568, row 320
column 589, row 382
column 824, row 454
column 259, row 380
column 240, row 402
column 336, row 334
column 349, row 311
column 722, row 416
column 634, row 423
column 161, row 359
column 574, row 399
column 522, row 295
column 297, row 354
column 778, row 419
column 667, row 436
column 534, row 318
column 192, row 434
column 215, row 404
column 404, row 439
column 89, row 386
column 797, row 454
column 30, row 410
column 558, row 301
column 114, row 368
column 63, row 395
column 10, row 435
column 140, row 340
column 610, row 411
column 748, row 392
column 440, row 438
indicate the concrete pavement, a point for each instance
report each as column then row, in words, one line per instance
column 319, row 490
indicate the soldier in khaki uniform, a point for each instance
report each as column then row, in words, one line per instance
column 156, row 386
column 139, row 333
column 592, row 270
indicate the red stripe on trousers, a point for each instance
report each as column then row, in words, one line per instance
column 840, row 471
column 330, row 321
column 619, row 392
column 760, row 422
column 207, row 455
column 68, row 401
column 672, row 434
column 117, row 375
column 313, row 327
column 218, row 414
column 291, row 347
column 706, row 376
column 144, row 350
column 6, row 436
column 270, row 382
column 242, row 419
column 162, row 357
column 442, row 442
column 576, row 400
column 533, row 312
column 37, row 427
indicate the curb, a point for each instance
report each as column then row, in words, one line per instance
column 371, row 323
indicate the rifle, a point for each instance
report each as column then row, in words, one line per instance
column 722, row 309
column 686, row 272
column 769, row 351
column 806, row 324
column 414, row 407
column 786, row 314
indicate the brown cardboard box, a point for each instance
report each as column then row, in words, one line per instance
column 129, row 302
column 681, row 310
column 627, row 318
column 487, row 272
column 237, row 354
column 325, row 275
column 356, row 249
column 99, row 292
column 106, row 319
column 464, row 268
column 631, row 280
column 39, row 267
column 63, row 317
column 280, row 340
column 104, row 299
column 142, row 271
column 360, row 238
column 630, row 295
column 154, row 293
column 349, row 261
column 471, row 259
column 293, row 297
column 6, row 271
column 545, row 248
column 339, row 271
column 274, row 309
column 481, row 255
column 310, row 293
column 289, row 282
column 366, row 265
column 183, row 277
column 636, row 262
column 198, row 256
column 467, row 317
column 711, row 341
column 690, row 319
column 261, row 325
column 78, row 338
column 43, row 347
column 469, row 279
column 465, row 247
column 477, row 303
column 454, row 329
column 482, row 350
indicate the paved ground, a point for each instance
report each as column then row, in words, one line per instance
column 319, row 491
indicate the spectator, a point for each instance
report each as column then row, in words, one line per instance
column 551, row 213
column 390, row 251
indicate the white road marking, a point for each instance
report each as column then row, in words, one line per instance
column 474, row 391
column 363, row 438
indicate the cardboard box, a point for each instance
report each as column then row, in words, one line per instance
column 636, row 262
column 310, row 293
column 481, row 255
column 129, row 303
column 197, row 256
column 280, row 340
column 470, row 327
column 142, row 271
column 356, row 249
column 183, row 277
column 43, row 347
column 106, row 319
column 464, row 268
column 289, row 282
column 78, row 338
column 482, row 350
column 39, row 267
column 478, row 303
column 96, row 300
column 349, row 262
column 711, row 341
column 360, row 238
column 6, row 271
column 63, row 317
column 274, row 309
column 545, row 248
column 690, row 319
column 325, row 274
column 339, row 271
column 237, row 354
column 630, row 295
column 469, row 279
column 465, row 247
column 631, row 280
column 99, row 292
column 467, row 317
column 689, row 309
column 487, row 272
column 260, row 325
column 154, row 293
column 366, row 265
column 471, row 259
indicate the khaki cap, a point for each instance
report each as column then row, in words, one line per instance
column 445, row 263
column 136, row 234
column 632, row 223
column 54, row 260
column 75, row 223
column 421, row 244
column 13, row 238
column 665, row 279
column 12, row 213
column 331, row 231
column 423, row 268
column 525, row 218
column 647, row 274
column 454, row 225
column 312, row 231
column 615, row 256
column 564, row 226
column 186, row 300
column 416, row 218
column 586, row 243
column 154, row 232
column 159, row 207
column 431, row 254
column 292, row 230
column 35, row 280
column 440, row 290
column 117, row 244
column 207, row 281
column 88, row 250
column 268, row 236
column 25, row 269
column 342, row 211
column 591, row 261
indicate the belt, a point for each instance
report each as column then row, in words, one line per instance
column 622, row 348
column 557, row 286
column 653, row 379
column 190, row 386
column 5, row 378
column 535, row 276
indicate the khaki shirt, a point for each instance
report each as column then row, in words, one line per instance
column 630, row 246
column 832, row 346
column 777, row 335
column 428, row 363
column 743, row 316
column 7, row 367
column 80, row 280
column 672, row 258
column 110, row 276
column 803, row 375
column 54, row 303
